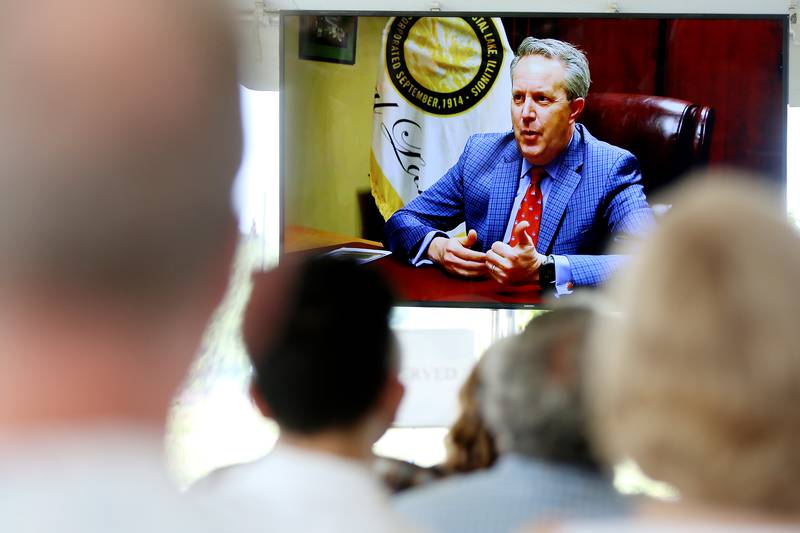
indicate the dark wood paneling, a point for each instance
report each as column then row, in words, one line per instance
column 732, row 65
column 735, row 66
column 622, row 53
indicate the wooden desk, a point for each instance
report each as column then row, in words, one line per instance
column 430, row 284
column 424, row 285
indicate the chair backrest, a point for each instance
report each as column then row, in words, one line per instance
column 668, row 136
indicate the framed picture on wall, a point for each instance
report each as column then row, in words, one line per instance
column 328, row 38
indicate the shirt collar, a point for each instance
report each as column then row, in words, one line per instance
column 552, row 168
column 520, row 463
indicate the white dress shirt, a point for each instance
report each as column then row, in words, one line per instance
column 100, row 480
column 302, row 490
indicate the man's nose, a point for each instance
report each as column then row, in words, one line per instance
column 528, row 109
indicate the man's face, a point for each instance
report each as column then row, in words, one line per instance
column 540, row 111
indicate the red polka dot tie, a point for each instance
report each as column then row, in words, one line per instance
column 531, row 208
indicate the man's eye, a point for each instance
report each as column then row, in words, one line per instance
column 518, row 98
column 541, row 99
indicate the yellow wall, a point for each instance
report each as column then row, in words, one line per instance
column 328, row 131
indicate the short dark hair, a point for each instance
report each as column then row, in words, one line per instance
column 327, row 365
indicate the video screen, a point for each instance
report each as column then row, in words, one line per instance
column 470, row 178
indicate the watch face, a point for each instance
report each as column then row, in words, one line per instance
column 547, row 272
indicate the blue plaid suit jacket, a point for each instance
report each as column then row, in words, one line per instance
column 596, row 194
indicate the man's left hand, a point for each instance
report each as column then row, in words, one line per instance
column 515, row 265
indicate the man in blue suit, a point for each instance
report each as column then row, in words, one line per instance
column 543, row 199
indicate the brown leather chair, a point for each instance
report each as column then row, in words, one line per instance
column 668, row 136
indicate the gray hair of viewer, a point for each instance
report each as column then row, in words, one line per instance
column 577, row 78
column 698, row 380
column 529, row 391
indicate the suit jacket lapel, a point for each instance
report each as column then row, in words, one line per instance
column 505, row 182
column 564, row 182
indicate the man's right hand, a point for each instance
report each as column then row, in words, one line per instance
column 454, row 255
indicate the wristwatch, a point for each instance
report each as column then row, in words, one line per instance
column 547, row 272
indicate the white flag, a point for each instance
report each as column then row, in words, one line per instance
column 440, row 80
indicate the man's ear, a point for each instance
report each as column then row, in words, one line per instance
column 391, row 397
column 576, row 108
column 258, row 401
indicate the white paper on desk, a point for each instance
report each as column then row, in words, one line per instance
column 359, row 255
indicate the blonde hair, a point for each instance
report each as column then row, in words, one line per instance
column 699, row 380
column 469, row 444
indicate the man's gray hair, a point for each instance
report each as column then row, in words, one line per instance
column 576, row 80
column 527, row 404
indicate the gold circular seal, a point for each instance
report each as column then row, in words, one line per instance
column 443, row 65
column 442, row 54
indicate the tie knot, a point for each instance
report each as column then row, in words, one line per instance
column 537, row 173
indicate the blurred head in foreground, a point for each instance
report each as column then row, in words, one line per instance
column 119, row 140
column 699, row 380
column 326, row 371
column 530, row 389
column 470, row 446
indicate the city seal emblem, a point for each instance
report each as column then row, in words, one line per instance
column 443, row 66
